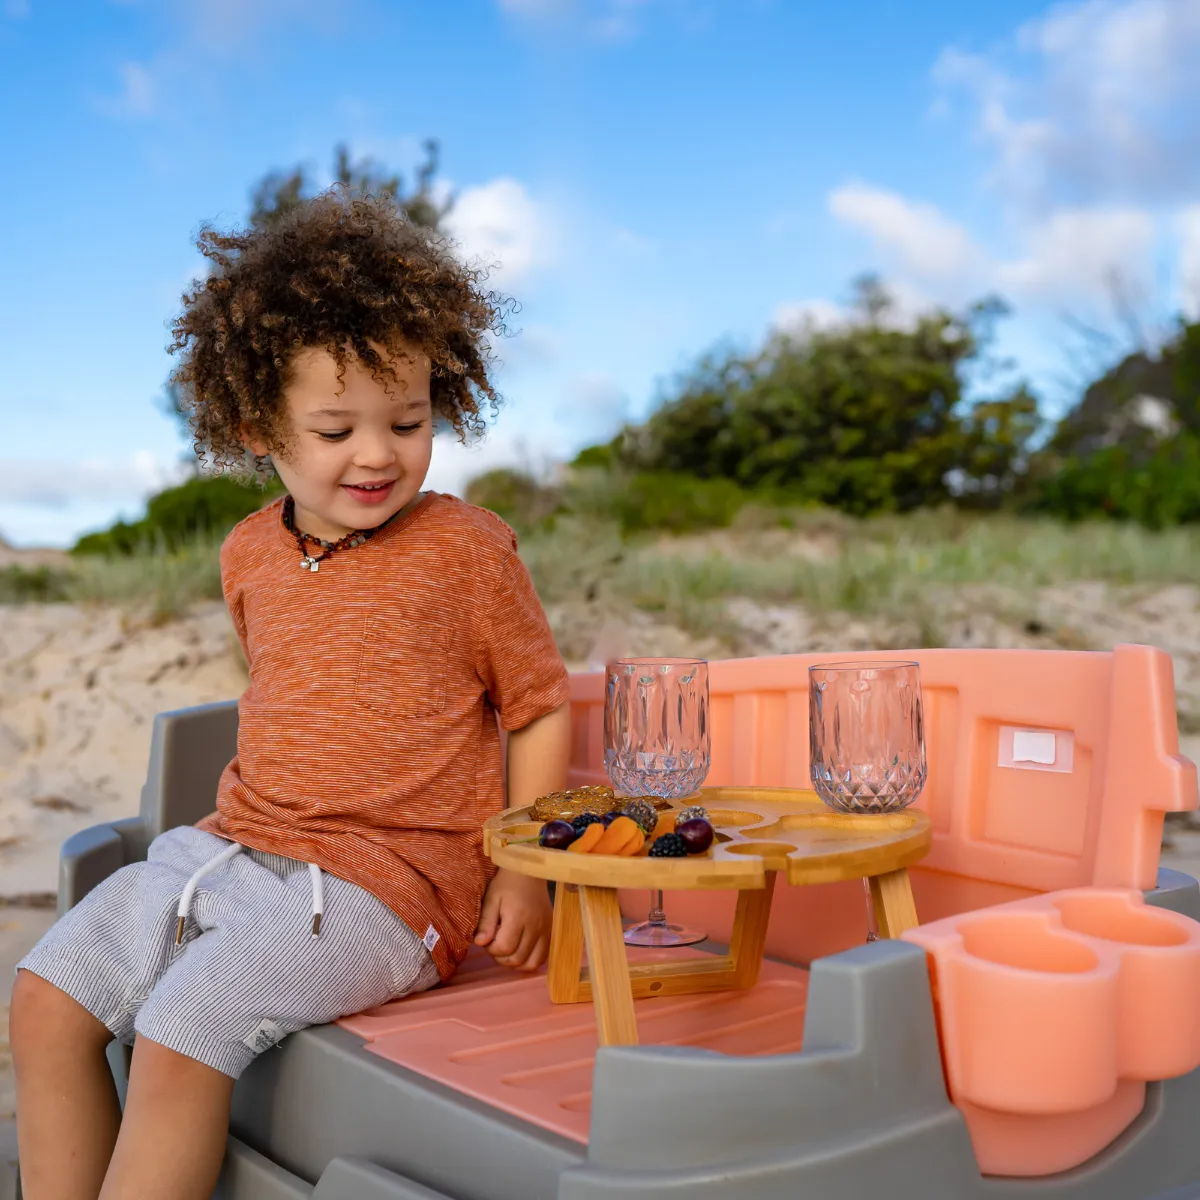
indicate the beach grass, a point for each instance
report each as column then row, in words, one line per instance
column 891, row 567
column 155, row 583
column 899, row 568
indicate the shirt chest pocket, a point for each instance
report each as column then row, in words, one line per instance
column 404, row 668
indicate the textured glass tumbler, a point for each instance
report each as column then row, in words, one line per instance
column 866, row 735
column 656, row 743
column 866, row 740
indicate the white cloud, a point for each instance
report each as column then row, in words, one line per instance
column 56, row 485
column 1069, row 256
column 499, row 222
column 52, row 503
column 1096, row 101
column 1077, row 251
column 923, row 242
column 1091, row 116
column 138, row 96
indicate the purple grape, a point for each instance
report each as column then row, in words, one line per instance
column 697, row 835
column 610, row 817
column 556, row 835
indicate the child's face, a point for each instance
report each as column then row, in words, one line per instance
column 356, row 455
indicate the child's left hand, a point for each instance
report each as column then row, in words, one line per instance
column 514, row 923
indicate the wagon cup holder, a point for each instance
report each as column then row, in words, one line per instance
column 1054, row 1012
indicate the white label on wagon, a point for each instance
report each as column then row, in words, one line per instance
column 1033, row 746
column 1036, row 749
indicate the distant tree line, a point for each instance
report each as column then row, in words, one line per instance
column 870, row 416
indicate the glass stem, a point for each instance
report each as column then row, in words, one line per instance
column 657, row 916
column 872, row 927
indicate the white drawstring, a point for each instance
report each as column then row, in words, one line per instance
column 185, row 901
column 230, row 851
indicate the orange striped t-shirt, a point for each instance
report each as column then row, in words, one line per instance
column 367, row 739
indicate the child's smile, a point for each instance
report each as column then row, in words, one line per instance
column 370, row 493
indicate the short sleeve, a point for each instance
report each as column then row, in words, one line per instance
column 233, row 597
column 517, row 657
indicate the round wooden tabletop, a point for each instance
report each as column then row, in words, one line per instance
column 759, row 830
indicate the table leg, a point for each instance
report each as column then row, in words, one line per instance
column 749, row 936
column 566, row 947
column 608, row 967
column 895, row 910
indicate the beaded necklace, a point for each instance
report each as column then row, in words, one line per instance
column 311, row 562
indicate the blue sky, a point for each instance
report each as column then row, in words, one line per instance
column 656, row 176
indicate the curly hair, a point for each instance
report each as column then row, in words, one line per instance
column 341, row 273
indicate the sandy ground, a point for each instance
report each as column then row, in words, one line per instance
column 79, row 689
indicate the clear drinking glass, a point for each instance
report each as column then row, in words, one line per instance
column 866, row 740
column 656, row 743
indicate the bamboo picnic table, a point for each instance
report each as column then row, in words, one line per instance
column 761, row 833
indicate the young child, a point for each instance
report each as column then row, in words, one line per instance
column 385, row 628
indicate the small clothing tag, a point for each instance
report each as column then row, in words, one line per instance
column 267, row 1034
column 431, row 939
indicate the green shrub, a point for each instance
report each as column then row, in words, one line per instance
column 514, row 496
column 638, row 502
column 162, row 584
column 121, row 538
column 1159, row 491
column 655, row 501
column 206, row 506
column 677, row 503
column 33, row 585
column 866, row 418
column 607, row 456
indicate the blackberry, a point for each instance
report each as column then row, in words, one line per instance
column 582, row 821
column 670, row 845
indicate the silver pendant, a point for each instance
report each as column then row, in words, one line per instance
column 309, row 564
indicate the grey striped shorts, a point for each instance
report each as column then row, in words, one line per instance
column 248, row 971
